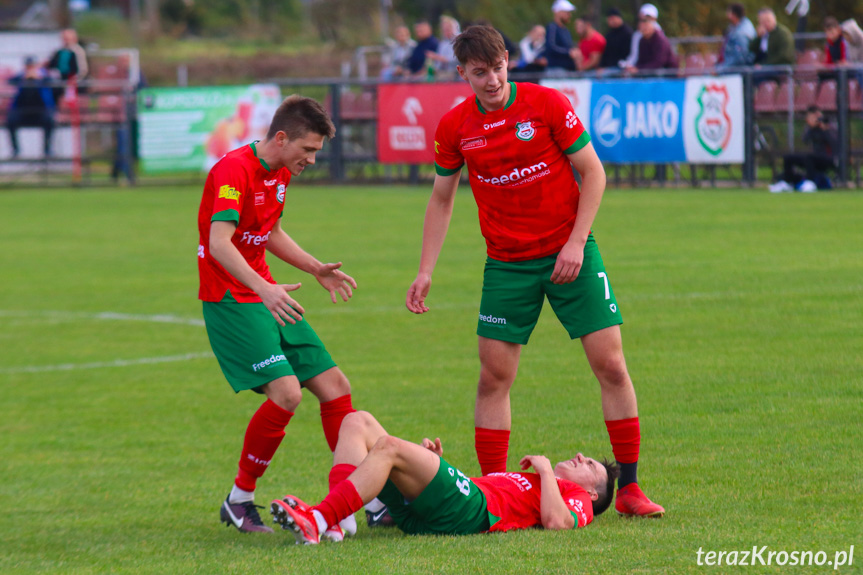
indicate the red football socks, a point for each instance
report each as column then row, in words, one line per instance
column 492, row 446
column 332, row 414
column 263, row 436
column 340, row 472
column 625, row 436
column 342, row 500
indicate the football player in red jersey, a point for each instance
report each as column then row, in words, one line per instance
column 520, row 142
column 256, row 329
column 426, row 495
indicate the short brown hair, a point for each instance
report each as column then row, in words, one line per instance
column 479, row 44
column 830, row 22
column 298, row 115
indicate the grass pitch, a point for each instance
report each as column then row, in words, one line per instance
column 743, row 334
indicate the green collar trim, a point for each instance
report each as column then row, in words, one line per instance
column 255, row 151
column 508, row 102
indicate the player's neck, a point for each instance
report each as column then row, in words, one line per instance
column 268, row 152
column 501, row 103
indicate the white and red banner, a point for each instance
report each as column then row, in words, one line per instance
column 408, row 115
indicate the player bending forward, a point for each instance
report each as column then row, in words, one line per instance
column 426, row 495
column 256, row 329
column 520, row 143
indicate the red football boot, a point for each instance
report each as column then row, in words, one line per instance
column 632, row 502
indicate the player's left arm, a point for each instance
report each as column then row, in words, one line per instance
column 328, row 275
column 571, row 256
column 552, row 509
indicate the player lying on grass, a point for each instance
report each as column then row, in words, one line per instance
column 426, row 495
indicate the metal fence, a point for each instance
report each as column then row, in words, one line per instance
column 775, row 103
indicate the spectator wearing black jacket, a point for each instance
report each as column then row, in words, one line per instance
column 33, row 105
column 426, row 42
column 618, row 40
column 823, row 139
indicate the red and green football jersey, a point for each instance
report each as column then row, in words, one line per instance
column 240, row 188
column 519, row 172
column 515, row 499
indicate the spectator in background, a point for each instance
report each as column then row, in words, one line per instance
column 738, row 36
column 444, row 58
column 532, row 50
column 590, row 47
column 774, row 44
column 822, row 137
column 853, row 41
column 558, row 40
column 654, row 49
column 646, row 11
column 426, row 42
column 70, row 61
column 399, row 52
column 33, row 105
column 835, row 49
column 617, row 40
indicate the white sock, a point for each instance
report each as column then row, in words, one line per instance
column 319, row 519
column 375, row 505
column 349, row 524
column 240, row 496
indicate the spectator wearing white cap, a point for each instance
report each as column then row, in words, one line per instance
column 558, row 39
column 649, row 11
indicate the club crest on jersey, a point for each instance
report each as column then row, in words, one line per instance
column 281, row 195
column 525, row 131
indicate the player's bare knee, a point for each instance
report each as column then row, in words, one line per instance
column 386, row 445
column 494, row 381
column 340, row 384
column 356, row 423
column 611, row 371
column 284, row 393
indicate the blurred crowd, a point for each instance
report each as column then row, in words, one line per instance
column 572, row 42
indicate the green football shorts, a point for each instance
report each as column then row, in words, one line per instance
column 253, row 349
column 513, row 294
column 450, row 505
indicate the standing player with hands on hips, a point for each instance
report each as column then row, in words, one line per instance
column 256, row 329
column 520, row 143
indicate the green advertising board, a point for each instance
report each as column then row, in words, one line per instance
column 189, row 129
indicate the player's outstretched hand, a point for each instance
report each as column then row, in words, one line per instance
column 434, row 446
column 568, row 264
column 336, row 281
column 419, row 290
column 540, row 463
column 283, row 307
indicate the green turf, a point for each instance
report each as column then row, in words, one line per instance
column 743, row 334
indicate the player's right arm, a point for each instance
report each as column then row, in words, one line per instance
column 437, row 218
column 274, row 296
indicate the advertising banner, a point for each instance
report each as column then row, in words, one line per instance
column 713, row 120
column 408, row 115
column 185, row 129
column 697, row 120
column 637, row 121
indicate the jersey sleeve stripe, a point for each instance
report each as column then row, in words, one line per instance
column 226, row 216
column 574, row 516
column 441, row 171
column 581, row 142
